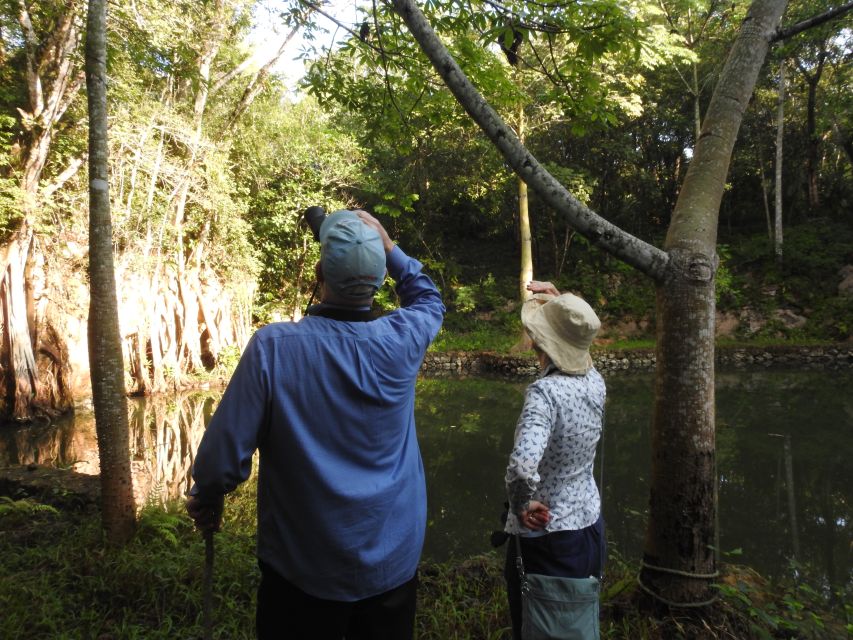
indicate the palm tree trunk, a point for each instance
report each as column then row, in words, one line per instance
column 105, row 348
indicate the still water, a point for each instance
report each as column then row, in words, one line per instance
column 783, row 438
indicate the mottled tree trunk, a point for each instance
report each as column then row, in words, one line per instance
column 679, row 562
column 21, row 377
column 778, row 239
column 680, row 533
column 105, row 346
column 813, row 154
column 525, row 238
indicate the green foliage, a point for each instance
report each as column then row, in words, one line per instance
column 23, row 508
column 158, row 524
column 227, row 359
column 482, row 296
column 796, row 609
column 727, row 291
column 832, row 319
column 807, row 281
column 616, row 290
column 482, row 316
column 461, row 333
column 290, row 157
column 464, row 600
column 10, row 193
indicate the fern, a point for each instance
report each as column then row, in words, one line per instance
column 23, row 507
column 157, row 524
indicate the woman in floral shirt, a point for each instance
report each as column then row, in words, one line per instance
column 554, row 504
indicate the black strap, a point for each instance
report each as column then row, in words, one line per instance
column 519, row 566
column 342, row 313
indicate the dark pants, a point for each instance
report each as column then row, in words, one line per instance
column 285, row 611
column 568, row 554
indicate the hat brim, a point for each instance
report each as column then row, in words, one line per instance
column 567, row 357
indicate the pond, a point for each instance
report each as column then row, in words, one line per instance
column 784, row 451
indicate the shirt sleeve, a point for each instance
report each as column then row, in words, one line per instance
column 413, row 285
column 531, row 438
column 416, row 290
column 224, row 456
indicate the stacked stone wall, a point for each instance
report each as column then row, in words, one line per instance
column 454, row 363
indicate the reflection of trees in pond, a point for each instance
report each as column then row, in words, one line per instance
column 814, row 409
column 63, row 443
column 165, row 432
column 626, row 453
column 811, row 411
column 465, row 429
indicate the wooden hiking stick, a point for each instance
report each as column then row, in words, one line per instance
column 207, row 602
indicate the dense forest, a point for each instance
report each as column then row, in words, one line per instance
column 213, row 157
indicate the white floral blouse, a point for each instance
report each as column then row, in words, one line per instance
column 555, row 441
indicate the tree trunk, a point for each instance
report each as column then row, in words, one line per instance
column 21, row 378
column 697, row 102
column 780, row 138
column 843, row 140
column 678, row 558
column 53, row 81
column 105, row 346
column 812, row 75
column 679, row 561
column 765, row 184
column 812, row 159
column 526, row 271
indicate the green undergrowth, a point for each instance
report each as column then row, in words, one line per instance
column 59, row 580
column 751, row 285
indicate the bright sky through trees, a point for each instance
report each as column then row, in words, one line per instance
column 270, row 30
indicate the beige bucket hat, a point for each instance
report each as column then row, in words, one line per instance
column 563, row 327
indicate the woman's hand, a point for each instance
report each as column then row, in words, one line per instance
column 536, row 286
column 536, row 516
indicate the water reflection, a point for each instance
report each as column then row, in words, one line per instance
column 164, row 434
column 784, row 442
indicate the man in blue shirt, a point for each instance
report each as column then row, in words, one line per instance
column 329, row 403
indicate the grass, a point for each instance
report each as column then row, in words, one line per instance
column 60, row 581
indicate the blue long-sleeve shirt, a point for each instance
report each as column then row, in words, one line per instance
column 330, row 406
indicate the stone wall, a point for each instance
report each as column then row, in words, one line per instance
column 510, row 366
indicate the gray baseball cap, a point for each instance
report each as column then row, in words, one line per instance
column 352, row 256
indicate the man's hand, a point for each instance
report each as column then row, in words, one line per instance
column 370, row 221
column 207, row 514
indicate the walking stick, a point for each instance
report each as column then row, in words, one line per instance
column 207, row 602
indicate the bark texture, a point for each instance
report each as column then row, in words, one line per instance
column 105, row 351
column 525, row 237
column 679, row 562
column 778, row 237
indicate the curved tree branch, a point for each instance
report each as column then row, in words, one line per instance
column 645, row 257
column 826, row 16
